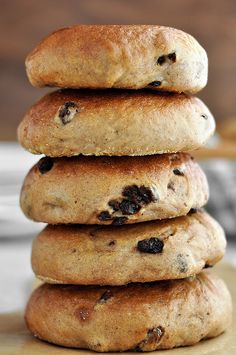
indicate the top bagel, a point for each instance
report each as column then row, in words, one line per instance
column 119, row 56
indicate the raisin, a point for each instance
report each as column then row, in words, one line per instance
column 172, row 57
column 45, row 164
column 155, row 83
column 105, row 296
column 152, row 245
column 204, row 116
column 137, row 194
column 161, row 60
column 146, row 194
column 104, row 216
column 114, row 204
column 171, row 186
column 132, row 193
column 65, row 113
column 207, row 266
column 119, row 221
column 135, row 197
column 193, row 210
column 128, row 207
column 178, row 171
column 153, row 338
column 111, row 243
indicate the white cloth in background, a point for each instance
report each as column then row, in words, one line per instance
column 16, row 275
column 221, row 175
column 14, row 165
column 16, row 232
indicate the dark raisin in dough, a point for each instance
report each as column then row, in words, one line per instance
column 178, row 171
column 153, row 337
column 146, row 194
column 155, row 83
column 132, row 193
column 128, row 207
column 172, row 57
column 114, row 204
column 64, row 112
column 137, row 194
column 119, row 221
column 152, row 245
column 171, row 186
column 105, row 296
column 161, row 60
column 193, row 210
column 45, row 164
column 104, row 216
column 207, row 266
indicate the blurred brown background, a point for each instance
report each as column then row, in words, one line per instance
column 23, row 23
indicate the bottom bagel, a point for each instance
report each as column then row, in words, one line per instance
column 138, row 317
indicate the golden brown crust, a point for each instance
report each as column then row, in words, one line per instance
column 161, row 315
column 115, row 123
column 151, row 251
column 119, row 56
column 118, row 190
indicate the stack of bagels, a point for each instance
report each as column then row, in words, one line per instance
column 127, row 239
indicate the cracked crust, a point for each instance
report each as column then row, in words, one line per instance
column 86, row 255
column 159, row 315
column 119, row 56
column 70, row 122
column 113, row 190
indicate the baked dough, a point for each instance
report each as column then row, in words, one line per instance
column 113, row 190
column 70, row 122
column 119, row 56
column 141, row 317
column 160, row 250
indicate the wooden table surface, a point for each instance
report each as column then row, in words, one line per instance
column 23, row 23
